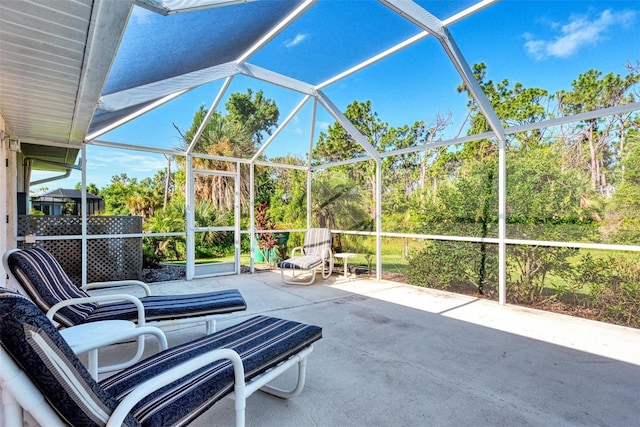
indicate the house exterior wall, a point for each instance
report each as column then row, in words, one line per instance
column 8, row 188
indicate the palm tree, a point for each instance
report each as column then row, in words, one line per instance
column 225, row 138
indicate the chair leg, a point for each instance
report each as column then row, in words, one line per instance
column 28, row 397
column 301, row 360
column 12, row 411
column 211, row 326
column 240, row 406
column 284, row 394
column 92, row 365
column 297, row 282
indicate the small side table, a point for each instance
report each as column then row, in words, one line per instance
column 345, row 256
column 90, row 336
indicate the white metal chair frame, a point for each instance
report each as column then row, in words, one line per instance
column 296, row 273
column 325, row 257
column 19, row 393
column 114, row 334
column 209, row 320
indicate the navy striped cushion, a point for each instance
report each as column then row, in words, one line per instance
column 262, row 343
column 166, row 307
column 46, row 284
column 39, row 350
column 317, row 241
column 304, row 262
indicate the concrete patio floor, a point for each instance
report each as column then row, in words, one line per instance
column 397, row 355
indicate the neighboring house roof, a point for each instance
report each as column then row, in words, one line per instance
column 62, row 193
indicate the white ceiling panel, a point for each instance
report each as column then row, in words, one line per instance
column 47, row 52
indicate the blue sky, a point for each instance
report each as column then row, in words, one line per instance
column 544, row 44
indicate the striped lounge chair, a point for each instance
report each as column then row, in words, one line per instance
column 41, row 374
column 44, row 281
column 315, row 252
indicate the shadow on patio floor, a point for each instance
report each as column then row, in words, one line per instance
column 397, row 355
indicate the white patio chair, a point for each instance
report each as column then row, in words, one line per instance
column 315, row 253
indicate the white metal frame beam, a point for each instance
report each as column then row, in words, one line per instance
column 275, row 78
column 349, row 127
column 121, row 146
column 310, row 160
column 406, row 43
column 170, row 7
column 171, row 88
column 140, row 94
column 279, row 128
column 280, row 165
column 345, row 162
column 134, row 115
column 207, row 117
column 108, row 23
column 277, row 29
column 190, row 219
column 423, row 19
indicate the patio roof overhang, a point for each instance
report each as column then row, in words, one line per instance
column 53, row 63
column 72, row 73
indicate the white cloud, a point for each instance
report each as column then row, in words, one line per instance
column 580, row 31
column 134, row 165
column 294, row 126
column 141, row 15
column 323, row 126
column 140, row 162
column 299, row 38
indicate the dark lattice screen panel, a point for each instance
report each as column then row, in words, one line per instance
column 108, row 258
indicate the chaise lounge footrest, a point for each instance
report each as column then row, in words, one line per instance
column 304, row 262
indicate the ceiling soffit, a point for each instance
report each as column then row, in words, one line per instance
column 54, row 59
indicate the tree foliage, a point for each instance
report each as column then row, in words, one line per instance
column 577, row 182
column 235, row 135
column 255, row 113
column 598, row 142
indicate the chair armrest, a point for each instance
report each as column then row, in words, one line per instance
column 102, row 298
column 121, row 336
column 144, row 389
column 117, row 283
column 293, row 251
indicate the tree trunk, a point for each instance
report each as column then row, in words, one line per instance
column 423, row 174
column 166, row 183
column 593, row 159
column 435, row 190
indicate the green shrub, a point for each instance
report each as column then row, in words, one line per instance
column 613, row 286
column 618, row 300
column 149, row 257
column 445, row 264
column 530, row 267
